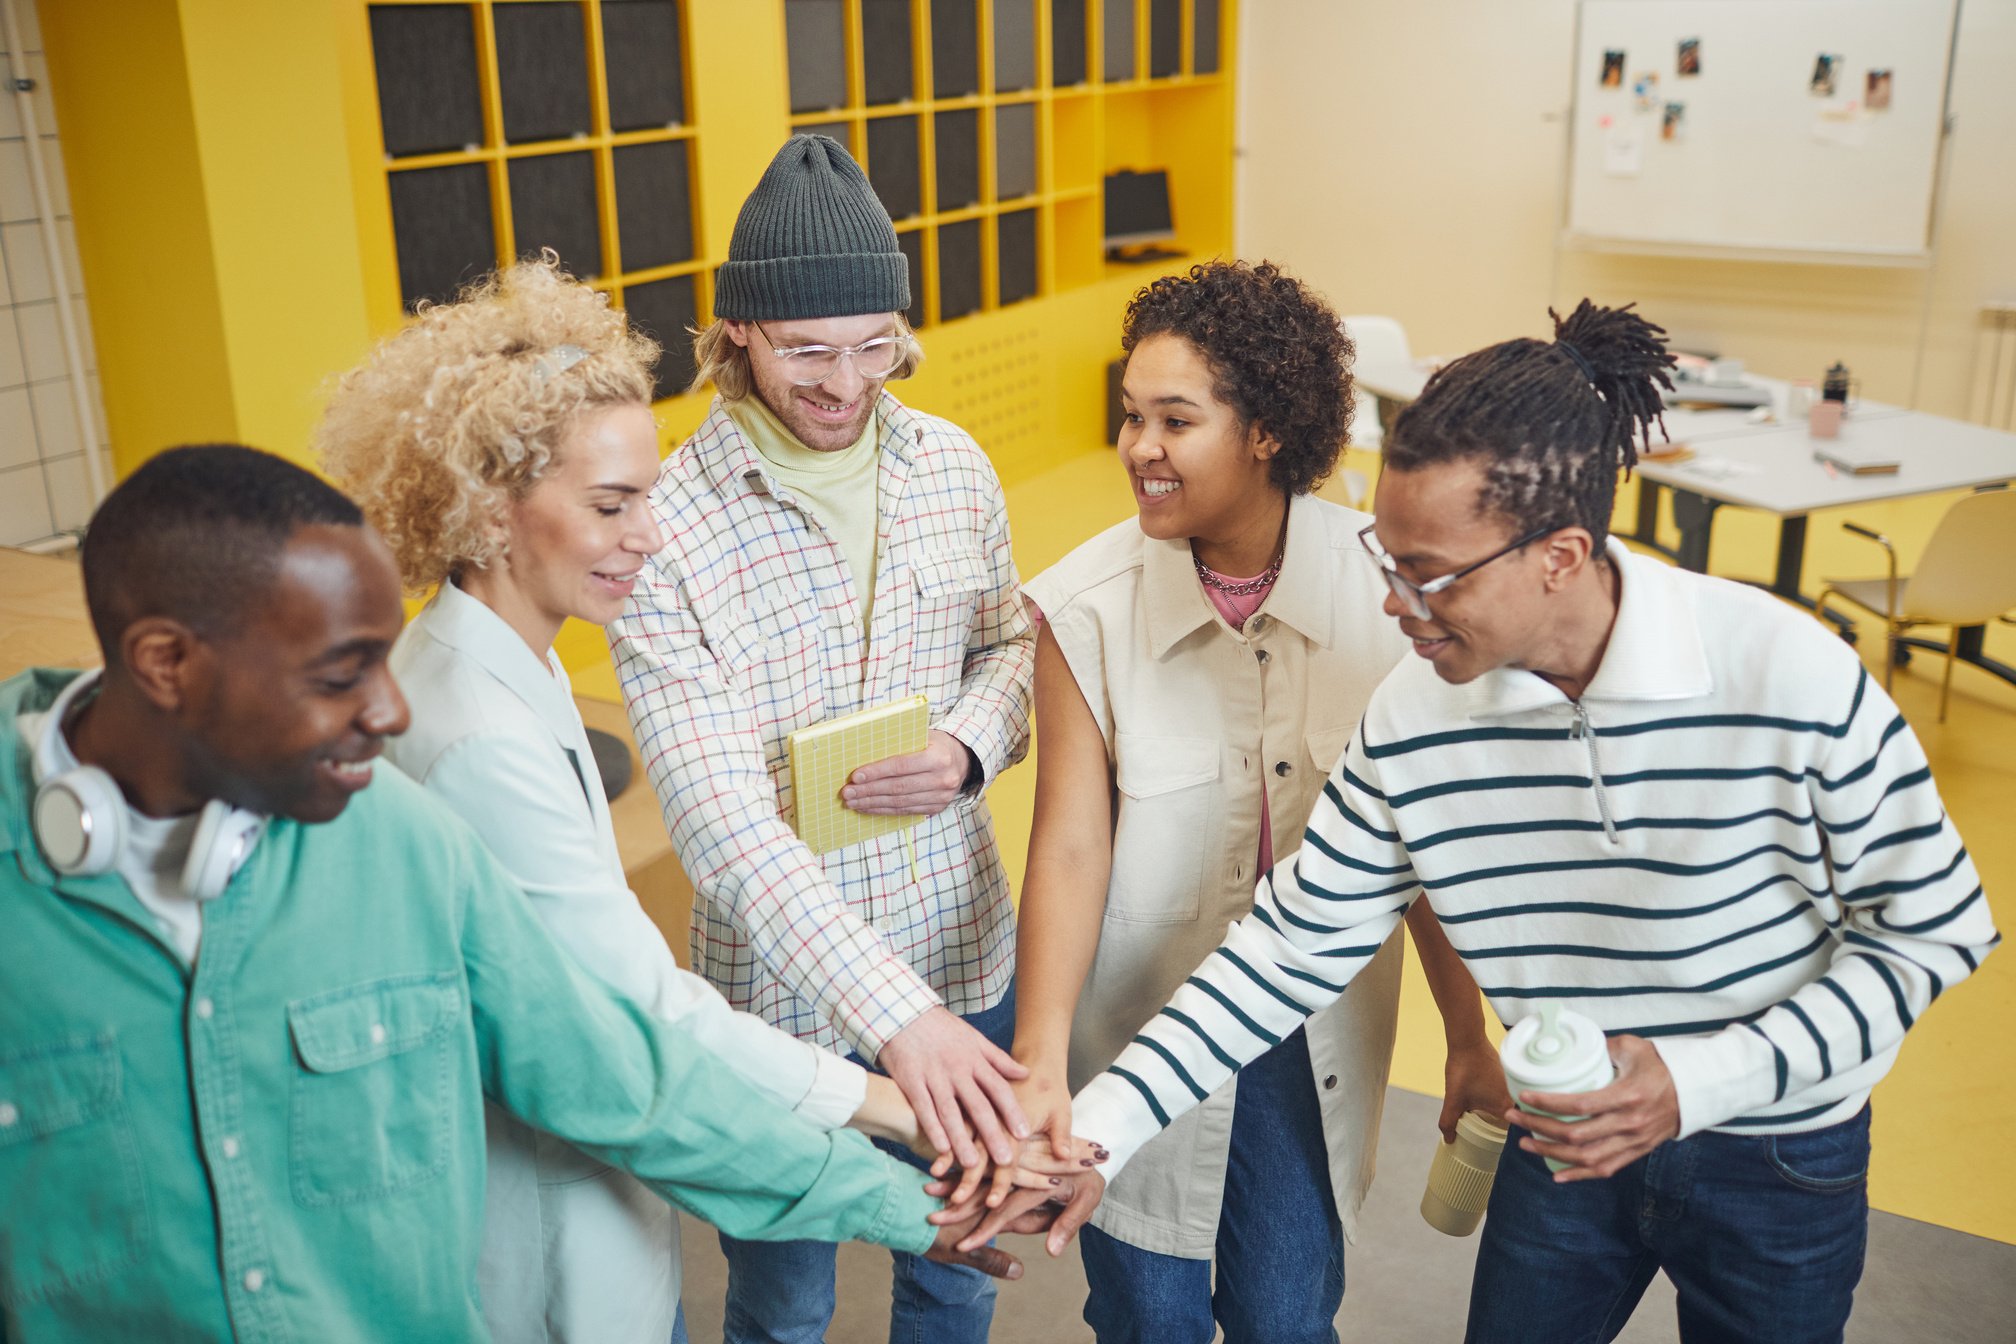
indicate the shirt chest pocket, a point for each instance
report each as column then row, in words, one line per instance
column 373, row 1108
column 946, row 592
column 1169, row 830
column 74, row 1208
column 769, row 648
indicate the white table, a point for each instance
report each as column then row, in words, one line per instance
column 1771, row 468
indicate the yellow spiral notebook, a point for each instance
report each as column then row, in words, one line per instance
column 824, row 755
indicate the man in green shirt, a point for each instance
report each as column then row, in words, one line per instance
column 250, row 1008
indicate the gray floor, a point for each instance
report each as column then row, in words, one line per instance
column 1407, row 1282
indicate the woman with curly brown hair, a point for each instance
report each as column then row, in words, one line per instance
column 504, row 445
column 1199, row 671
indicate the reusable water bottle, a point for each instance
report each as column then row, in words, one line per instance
column 1459, row 1179
column 1555, row 1051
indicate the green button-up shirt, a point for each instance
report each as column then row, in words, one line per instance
column 287, row 1142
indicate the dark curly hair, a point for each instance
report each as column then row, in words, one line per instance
column 1553, row 423
column 1278, row 356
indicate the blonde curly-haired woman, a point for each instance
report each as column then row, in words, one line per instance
column 503, row 445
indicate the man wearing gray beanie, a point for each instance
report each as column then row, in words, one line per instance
column 829, row 550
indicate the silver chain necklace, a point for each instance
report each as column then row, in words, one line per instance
column 1243, row 587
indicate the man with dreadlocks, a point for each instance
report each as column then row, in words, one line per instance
column 1664, row 798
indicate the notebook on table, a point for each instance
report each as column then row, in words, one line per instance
column 826, row 754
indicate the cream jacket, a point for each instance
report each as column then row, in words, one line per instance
column 573, row 1249
column 1201, row 722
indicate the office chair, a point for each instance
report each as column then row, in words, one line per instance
column 1967, row 576
column 1381, row 343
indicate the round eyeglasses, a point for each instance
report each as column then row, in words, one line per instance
column 1414, row 596
column 810, row 365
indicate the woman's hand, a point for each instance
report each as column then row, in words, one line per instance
column 1472, row 1080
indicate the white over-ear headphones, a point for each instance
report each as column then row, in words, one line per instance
column 80, row 815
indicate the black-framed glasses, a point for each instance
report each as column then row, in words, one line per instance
column 1414, row 596
column 810, row 365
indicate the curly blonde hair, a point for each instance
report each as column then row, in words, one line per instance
column 726, row 365
column 447, row 423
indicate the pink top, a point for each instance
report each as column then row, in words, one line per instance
column 1236, row 610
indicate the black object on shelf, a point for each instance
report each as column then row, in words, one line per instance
column 815, row 40
column 612, row 762
column 553, row 205
column 958, row 155
column 955, row 48
column 1014, row 45
column 1165, row 38
column 895, row 165
column 663, row 310
column 441, row 230
column 887, row 75
column 428, row 96
column 1016, row 248
column 654, row 214
column 958, row 269
column 641, row 53
column 1204, row 38
column 1137, row 213
column 1118, row 35
column 1067, row 43
column 912, row 244
column 542, row 71
column 1014, row 151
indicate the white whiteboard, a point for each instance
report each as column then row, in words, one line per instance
column 1761, row 163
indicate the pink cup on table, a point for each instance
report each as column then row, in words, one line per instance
column 1824, row 420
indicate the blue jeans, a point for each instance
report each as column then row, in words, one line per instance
column 1280, row 1252
column 782, row 1292
column 1762, row 1236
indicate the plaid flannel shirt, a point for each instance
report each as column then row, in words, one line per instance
column 746, row 627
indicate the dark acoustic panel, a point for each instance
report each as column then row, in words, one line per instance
column 1017, row 251
column 1014, row 151
column 1204, row 38
column 832, row 130
column 815, row 37
column 654, row 211
column 1067, row 43
column 553, row 205
column 441, row 230
column 428, row 98
column 663, row 310
column 955, row 48
column 1165, row 38
column 542, row 71
column 912, row 244
column 895, row 165
column 958, row 156
column 888, row 74
column 958, row 269
column 1117, row 33
column 1014, row 45
column 640, row 51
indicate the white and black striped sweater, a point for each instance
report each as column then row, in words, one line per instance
column 1731, row 846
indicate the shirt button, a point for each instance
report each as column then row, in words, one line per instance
column 230, row 1147
column 255, row 1279
column 377, row 1033
column 1330, row 1082
column 205, row 1009
column 1283, row 769
column 10, row 1115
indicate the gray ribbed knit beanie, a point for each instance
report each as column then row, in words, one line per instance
column 812, row 241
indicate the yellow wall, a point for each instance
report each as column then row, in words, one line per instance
column 1433, row 191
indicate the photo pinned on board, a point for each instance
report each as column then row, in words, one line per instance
column 1690, row 56
column 1645, row 89
column 1877, row 99
column 1825, row 67
column 1673, row 122
column 1613, row 70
